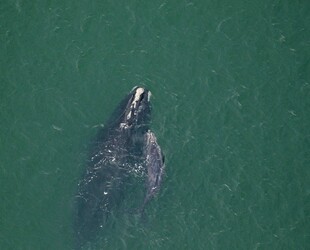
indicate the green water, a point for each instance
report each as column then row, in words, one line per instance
column 231, row 98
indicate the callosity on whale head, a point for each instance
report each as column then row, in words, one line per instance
column 138, row 110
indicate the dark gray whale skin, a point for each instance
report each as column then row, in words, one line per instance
column 118, row 145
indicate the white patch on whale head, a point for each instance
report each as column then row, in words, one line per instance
column 135, row 101
column 139, row 92
column 133, row 106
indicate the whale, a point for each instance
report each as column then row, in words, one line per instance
column 113, row 157
column 155, row 165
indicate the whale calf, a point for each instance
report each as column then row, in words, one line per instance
column 154, row 164
column 122, row 146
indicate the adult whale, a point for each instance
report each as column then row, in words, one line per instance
column 118, row 146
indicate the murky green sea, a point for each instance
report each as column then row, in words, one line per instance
column 231, row 110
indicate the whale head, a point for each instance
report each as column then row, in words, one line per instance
column 137, row 112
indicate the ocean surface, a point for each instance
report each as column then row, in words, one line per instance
column 230, row 83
